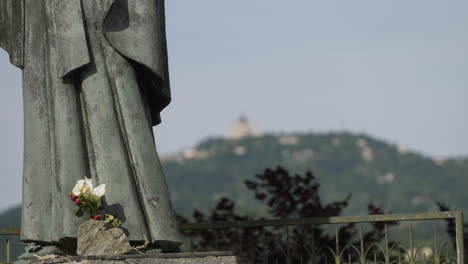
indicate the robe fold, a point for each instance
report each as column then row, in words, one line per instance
column 95, row 79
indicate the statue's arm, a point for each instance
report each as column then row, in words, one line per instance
column 12, row 30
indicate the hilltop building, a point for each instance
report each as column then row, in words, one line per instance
column 242, row 128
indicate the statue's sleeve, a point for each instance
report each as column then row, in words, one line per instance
column 137, row 30
column 69, row 36
column 12, row 30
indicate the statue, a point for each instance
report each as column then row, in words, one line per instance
column 95, row 79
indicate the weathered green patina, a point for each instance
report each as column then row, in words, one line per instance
column 95, row 79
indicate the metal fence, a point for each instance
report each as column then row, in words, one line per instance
column 8, row 232
column 308, row 251
column 358, row 252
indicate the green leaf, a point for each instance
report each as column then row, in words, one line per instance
column 116, row 222
column 78, row 211
column 94, row 199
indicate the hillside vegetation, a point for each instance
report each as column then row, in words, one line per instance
column 344, row 163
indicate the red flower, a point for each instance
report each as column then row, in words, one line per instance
column 77, row 201
column 97, row 217
column 73, row 197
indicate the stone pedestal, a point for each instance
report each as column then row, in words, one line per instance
column 223, row 257
column 220, row 257
column 99, row 242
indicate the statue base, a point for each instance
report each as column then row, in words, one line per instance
column 221, row 257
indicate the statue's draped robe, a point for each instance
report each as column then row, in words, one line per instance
column 95, row 79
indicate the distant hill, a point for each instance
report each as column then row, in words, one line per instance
column 370, row 169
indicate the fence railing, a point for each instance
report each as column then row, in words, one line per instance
column 307, row 251
column 356, row 253
column 6, row 232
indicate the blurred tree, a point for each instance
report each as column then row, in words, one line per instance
column 286, row 196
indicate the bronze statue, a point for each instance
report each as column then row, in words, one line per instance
column 95, row 79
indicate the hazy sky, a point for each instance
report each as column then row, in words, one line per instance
column 394, row 69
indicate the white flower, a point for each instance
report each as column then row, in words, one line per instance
column 78, row 187
column 83, row 187
column 99, row 191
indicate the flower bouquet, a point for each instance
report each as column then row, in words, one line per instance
column 88, row 199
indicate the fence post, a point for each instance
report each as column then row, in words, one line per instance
column 460, row 237
column 7, row 246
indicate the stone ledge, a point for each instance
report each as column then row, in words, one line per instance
column 221, row 257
